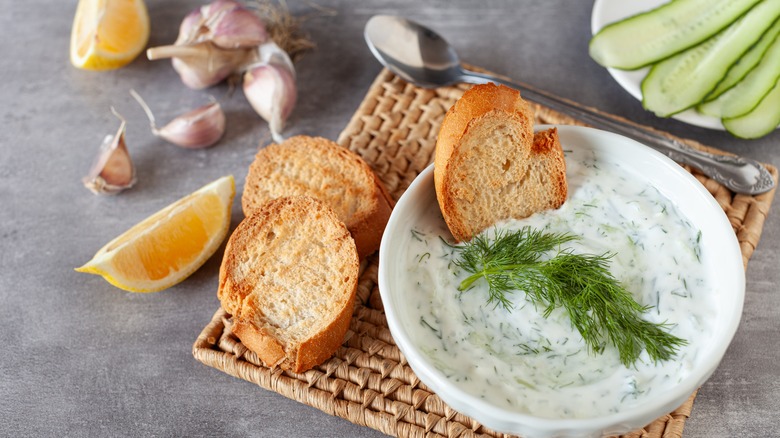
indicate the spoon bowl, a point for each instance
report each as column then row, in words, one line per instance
column 414, row 53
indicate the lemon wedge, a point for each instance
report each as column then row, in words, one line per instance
column 168, row 246
column 108, row 33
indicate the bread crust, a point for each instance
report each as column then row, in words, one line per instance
column 320, row 168
column 289, row 278
column 547, row 143
column 464, row 144
column 475, row 102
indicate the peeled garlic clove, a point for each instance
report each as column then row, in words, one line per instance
column 271, row 90
column 112, row 170
column 196, row 129
column 204, row 64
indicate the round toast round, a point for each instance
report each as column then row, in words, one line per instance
column 320, row 168
column 490, row 166
column 288, row 278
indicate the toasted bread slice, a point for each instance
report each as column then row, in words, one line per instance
column 489, row 165
column 320, row 168
column 288, row 277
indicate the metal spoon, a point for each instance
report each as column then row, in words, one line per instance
column 419, row 55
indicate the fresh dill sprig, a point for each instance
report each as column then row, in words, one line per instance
column 599, row 307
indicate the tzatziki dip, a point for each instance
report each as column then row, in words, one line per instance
column 519, row 360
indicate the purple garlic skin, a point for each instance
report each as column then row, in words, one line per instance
column 203, row 64
column 238, row 28
column 269, row 86
column 113, row 170
column 271, row 91
column 226, row 23
column 196, row 129
column 219, row 6
column 190, row 28
column 214, row 42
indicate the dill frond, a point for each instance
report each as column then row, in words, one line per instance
column 599, row 307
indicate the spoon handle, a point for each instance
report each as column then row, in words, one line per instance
column 740, row 175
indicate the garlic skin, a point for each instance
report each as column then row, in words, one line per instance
column 238, row 28
column 271, row 53
column 190, row 28
column 113, row 170
column 226, row 23
column 218, row 6
column 214, row 41
column 204, row 64
column 270, row 88
column 196, row 129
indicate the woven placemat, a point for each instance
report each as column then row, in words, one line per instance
column 368, row 381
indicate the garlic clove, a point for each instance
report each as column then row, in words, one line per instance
column 271, row 91
column 238, row 27
column 271, row 53
column 191, row 28
column 196, row 129
column 113, row 170
column 226, row 23
column 204, row 64
column 218, row 6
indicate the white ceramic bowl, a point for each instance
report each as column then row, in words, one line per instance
column 680, row 188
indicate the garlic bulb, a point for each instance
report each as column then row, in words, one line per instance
column 196, row 129
column 190, row 28
column 218, row 6
column 270, row 88
column 236, row 28
column 113, row 170
column 214, row 41
column 204, row 64
column 226, row 23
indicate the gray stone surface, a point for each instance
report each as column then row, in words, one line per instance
column 81, row 358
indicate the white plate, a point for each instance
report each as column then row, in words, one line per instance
column 609, row 11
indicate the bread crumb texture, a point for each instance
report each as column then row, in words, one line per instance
column 289, row 277
column 320, row 168
column 489, row 164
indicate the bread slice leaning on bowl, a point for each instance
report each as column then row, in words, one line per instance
column 289, row 277
column 320, row 168
column 490, row 166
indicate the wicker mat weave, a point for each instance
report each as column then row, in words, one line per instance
column 368, row 381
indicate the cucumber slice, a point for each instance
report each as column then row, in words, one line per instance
column 762, row 120
column 643, row 39
column 683, row 80
column 747, row 93
column 746, row 63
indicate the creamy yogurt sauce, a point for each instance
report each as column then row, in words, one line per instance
column 521, row 361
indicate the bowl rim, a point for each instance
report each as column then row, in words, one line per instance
column 505, row 420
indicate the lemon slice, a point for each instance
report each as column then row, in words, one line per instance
column 168, row 246
column 108, row 33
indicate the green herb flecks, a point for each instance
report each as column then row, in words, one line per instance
column 599, row 307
